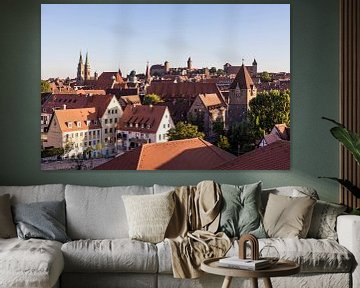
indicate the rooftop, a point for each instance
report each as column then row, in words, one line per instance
column 187, row 154
column 275, row 156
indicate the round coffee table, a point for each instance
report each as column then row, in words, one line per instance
column 281, row 268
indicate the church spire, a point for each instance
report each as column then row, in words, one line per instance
column 147, row 73
column 80, row 58
column 87, row 67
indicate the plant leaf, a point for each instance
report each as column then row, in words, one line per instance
column 349, row 139
column 347, row 184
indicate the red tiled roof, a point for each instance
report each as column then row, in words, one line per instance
column 167, row 89
column 106, row 80
column 76, row 115
column 57, row 101
column 275, row 156
column 283, row 131
column 141, row 115
column 76, row 101
column 242, row 78
column 211, row 100
column 187, row 154
column 91, row 91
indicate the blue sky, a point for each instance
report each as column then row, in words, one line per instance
column 129, row 35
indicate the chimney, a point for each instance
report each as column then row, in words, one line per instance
column 151, row 107
column 64, row 106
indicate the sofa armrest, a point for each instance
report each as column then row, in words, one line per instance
column 348, row 230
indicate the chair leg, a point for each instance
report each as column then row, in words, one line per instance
column 254, row 282
column 227, row 282
column 267, row 283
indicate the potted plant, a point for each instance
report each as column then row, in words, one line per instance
column 351, row 141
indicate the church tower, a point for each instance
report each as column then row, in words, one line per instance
column 80, row 76
column 87, row 68
column 189, row 64
column 241, row 91
column 147, row 74
column 254, row 68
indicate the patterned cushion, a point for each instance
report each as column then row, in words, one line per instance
column 323, row 223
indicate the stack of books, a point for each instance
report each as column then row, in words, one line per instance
column 248, row 264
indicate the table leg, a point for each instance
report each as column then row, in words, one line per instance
column 267, row 283
column 254, row 282
column 227, row 282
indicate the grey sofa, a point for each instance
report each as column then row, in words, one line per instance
column 101, row 254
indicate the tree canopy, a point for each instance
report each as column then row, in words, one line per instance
column 184, row 131
column 45, row 86
column 267, row 109
column 152, row 99
column 265, row 77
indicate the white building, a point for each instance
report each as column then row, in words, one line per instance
column 141, row 124
column 75, row 130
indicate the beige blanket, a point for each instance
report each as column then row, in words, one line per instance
column 191, row 230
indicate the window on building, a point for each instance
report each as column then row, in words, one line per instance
column 106, row 131
column 115, row 111
column 109, row 111
column 98, row 133
column 69, row 124
column 94, row 133
column 115, row 120
column 89, row 143
column 111, row 120
column 159, row 136
column 76, row 135
column 106, row 121
column 164, row 136
column 81, row 134
column 169, row 125
column 164, row 125
column 95, row 122
column 111, row 130
column 88, row 122
column 78, row 123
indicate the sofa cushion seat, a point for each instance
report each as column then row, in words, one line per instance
column 313, row 255
column 30, row 263
column 115, row 255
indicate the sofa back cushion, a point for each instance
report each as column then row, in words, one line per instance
column 290, row 191
column 35, row 193
column 98, row 212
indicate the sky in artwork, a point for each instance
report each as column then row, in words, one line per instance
column 127, row 36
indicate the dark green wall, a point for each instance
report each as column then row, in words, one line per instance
column 315, row 75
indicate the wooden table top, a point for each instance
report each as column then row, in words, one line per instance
column 281, row 268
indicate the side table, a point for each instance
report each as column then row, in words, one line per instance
column 281, row 268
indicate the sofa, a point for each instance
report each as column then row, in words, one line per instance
column 100, row 253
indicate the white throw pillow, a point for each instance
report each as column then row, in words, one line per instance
column 149, row 215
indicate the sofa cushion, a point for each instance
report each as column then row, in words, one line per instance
column 323, row 222
column 43, row 220
column 98, row 213
column 149, row 215
column 30, row 263
column 7, row 226
column 287, row 216
column 117, row 255
column 290, row 191
column 35, row 193
column 313, row 255
column 240, row 210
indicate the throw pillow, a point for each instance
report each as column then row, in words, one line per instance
column 323, row 222
column 43, row 220
column 149, row 215
column 240, row 213
column 7, row 227
column 288, row 217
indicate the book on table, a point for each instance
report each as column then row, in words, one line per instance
column 236, row 262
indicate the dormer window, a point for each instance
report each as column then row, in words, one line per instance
column 130, row 125
column 136, row 125
column 78, row 124
column 88, row 122
column 69, row 124
column 95, row 122
column 148, row 126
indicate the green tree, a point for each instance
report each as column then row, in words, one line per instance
column 152, row 99
column 223, row 143
column 240, row 137
column 218, row 127
column 212, row 70
column 197, row 119
column 184, row 131
column 265, row 77
column 45, row 86
column 69, row 145
column 220, row 72
column 267, row 109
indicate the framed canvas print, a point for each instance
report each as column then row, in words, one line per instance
column 165, row 86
